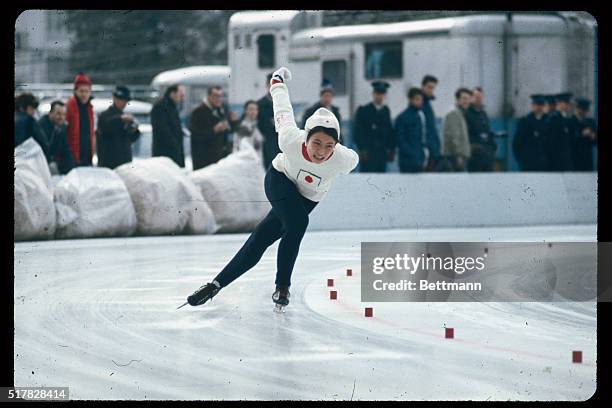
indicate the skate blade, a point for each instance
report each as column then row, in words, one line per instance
column 279, row 308
column 182, row 305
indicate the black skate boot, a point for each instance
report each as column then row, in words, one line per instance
column 281, row 298
column 203, row 294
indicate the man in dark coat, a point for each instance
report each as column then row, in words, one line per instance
column 326, row 96
column 373, row 132
column 428, row 86
column 265, row 124
column 413, row 141
column 25, row 123
column 561, row 128
column 166, row 124
column 116, row 132
column 54, row 125
column 585, row 137
column 210, row 125
column 481, row 138
column 529, row 143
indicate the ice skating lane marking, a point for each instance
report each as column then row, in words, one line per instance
column 359, row 311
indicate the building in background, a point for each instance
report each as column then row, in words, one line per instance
column 42, row 47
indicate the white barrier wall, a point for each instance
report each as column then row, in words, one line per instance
column 379, row 201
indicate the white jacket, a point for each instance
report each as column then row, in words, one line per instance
column 313, row 180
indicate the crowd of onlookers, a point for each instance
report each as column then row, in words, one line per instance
column 550, row 138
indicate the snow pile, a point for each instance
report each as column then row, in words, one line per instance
column 234, row 189
column 165, row 199
column 34, row 209
column 93, row 202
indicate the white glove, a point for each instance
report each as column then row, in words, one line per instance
column 282, row 74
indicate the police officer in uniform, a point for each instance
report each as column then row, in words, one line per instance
column 585, row 137
column 561, row 128
column 373, row 132
column 529, row 142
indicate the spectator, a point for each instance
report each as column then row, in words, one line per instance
column 482, row 144
column 373, row 132
column 210, row 124
column 326, row 97
column 529, row 140
column 265, row 123
column 585, row 137
column 80, row 117
column 413, row 141
column 428, row 86
column 54, row 125
column 166, row 124
column 247, row 129
column 25, row 122
column 456, row 144
column 116, row 131
column 560, row 130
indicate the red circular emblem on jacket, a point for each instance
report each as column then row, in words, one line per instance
column 308, row 179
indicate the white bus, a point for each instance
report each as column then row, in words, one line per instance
column 509, row 55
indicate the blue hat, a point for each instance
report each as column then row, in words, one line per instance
column 583, row 103
column 538, row 99
column 563, row 96
column 380, row 86
column 550, row 99
column 326, row 86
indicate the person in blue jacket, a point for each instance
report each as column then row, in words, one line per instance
column 416, row 145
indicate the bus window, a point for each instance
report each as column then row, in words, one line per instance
column 265, row 51
column 383, row 60
column 237, row 41
column 247, row 41
column 335, row 72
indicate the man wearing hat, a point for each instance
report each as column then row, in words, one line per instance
column 561, row 128
column 326, row 96
column 529, row 143
column 116, row 131
column 80, row 118
column 373, row 132
column 585, row 137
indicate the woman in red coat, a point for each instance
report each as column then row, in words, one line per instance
column 80, row 118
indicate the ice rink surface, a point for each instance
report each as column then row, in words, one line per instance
column 99, row 316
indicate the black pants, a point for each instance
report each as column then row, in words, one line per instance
column 287, row 220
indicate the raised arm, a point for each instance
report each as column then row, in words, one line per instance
column 284, row 120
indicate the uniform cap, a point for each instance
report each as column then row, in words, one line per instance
column 563, row 96
column 380, row 86
column 538, row 99
column 583, row 103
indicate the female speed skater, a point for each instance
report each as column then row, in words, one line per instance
column 298, row 178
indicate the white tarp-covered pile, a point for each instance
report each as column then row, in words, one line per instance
column 93, row 202
column 234, row 189
column 34, row 208
column 165, row 199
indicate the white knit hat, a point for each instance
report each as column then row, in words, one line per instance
column 322, row 117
